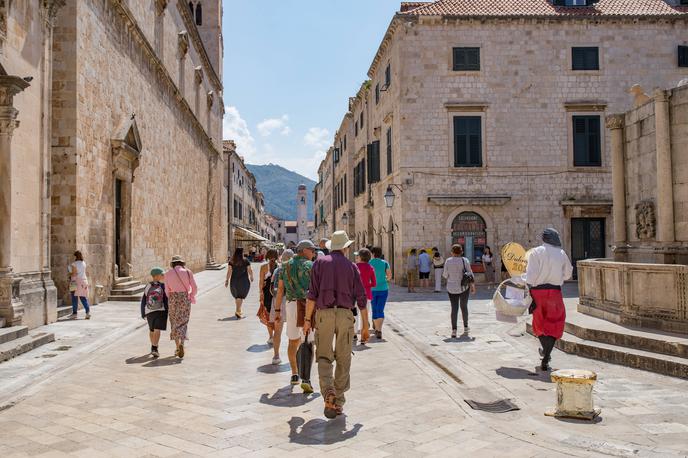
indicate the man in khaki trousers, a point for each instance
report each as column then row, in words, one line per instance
column 334, row 291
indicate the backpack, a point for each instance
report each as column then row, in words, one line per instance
column 155, row 297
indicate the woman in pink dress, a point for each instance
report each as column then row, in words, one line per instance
column 181, row 290
column 367, row 277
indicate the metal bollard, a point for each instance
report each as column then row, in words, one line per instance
column 574, row 394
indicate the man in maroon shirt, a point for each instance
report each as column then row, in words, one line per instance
column 334, row 291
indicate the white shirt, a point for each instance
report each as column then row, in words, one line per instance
column 453, row 271
column 80, row 268
column 548, row 264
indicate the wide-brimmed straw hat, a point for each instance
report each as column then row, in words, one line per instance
column 339, row 241
column 177, row 258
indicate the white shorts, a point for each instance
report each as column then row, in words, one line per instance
column 293, row 331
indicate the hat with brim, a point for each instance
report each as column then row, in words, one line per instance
column 339, row 241
column 157, row 271
column 177, row 258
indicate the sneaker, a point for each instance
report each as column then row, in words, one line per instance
column 88, row 316
column 154, row 352
column 453, row 334
column 72, row 316
column 544, row 366
column 294, row 379
column 270, row 341
column 378, row 335
column 466, row 329
column 306, row 386
column 276, row 360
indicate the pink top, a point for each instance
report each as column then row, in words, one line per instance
column 367, row 277
column 181, row 280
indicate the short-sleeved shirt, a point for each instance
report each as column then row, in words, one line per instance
column 381, row 267
column 424, row 262
column 412, row 262
column 298, row 270
column 367, row 277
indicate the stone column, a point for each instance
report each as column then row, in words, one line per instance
column 11, row 309
column 615, row 123
column 665, row 186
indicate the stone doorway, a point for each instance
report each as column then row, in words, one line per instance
column 470, row 231
column 587, row 240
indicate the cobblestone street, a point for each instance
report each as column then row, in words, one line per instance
column 225, row 399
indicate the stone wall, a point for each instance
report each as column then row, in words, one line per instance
column 110, row 71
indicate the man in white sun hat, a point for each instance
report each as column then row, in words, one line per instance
column 334, row 291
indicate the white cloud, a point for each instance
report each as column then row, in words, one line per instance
column 317, row 137
column 270, row 125
column 234, row 127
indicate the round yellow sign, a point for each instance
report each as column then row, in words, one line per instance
column 514, row 257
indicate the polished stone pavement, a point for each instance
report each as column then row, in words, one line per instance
column 94, row 392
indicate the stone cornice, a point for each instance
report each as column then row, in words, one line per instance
column 460, row 199
column 382, row 49
column 183, row 9
column 160, row 69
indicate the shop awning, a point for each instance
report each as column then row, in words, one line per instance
column 244, row 235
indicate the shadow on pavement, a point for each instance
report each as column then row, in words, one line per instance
column 229, row 318
column 360, row 347
column 139, row 359
column 461, row 338
column 256, row 348
column 273, row 368
column 285, row 397
column 162, row 362
column 580, row 421
column 319, row 431
column 517, row 373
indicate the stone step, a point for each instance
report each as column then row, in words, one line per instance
column 12, row 333
column 119, row 280
column 21, row 345
column 64, row 311
column 630, row 357
column 125, row 284
column 2, row 322
column 131, row 298
column 138, row 289
column 596, row 329
column 215, row 267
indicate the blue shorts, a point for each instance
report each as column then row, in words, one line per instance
column 378, row 303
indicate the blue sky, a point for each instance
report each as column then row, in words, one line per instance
column 290, row 67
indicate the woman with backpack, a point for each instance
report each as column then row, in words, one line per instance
column 181, row 290
column 239, row 279
column 460, row 283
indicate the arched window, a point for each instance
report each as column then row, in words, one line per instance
column 191, row 7
column 199, row 14
column 469, row 231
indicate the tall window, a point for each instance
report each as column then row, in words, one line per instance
column 199, row 14
column 389, row 151
column 377, row 93
column 585, row 58
column 191, row 7
column 466, row 59
column 346, row 198
column 468, row 141
column 356, row 129
column 374, row 162
column 388, row 76
column 360, row 121
column 587, row 141
column 683, row 54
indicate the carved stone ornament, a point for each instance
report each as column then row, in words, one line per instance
column 615, row 121
column 52, row 7
column 183, row 43
column 198, row 73
column 3, row 20
column 211, row 98
column 645, row 222
column 160, row 5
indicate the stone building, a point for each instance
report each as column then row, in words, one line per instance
column 322, row 198
column 119, row 123
column 650, row 184
column 484, row 123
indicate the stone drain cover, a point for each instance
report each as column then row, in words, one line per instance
column 501, row 406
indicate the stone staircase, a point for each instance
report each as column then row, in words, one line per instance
column 126, row 289
column 212, row 265
column 16, row 340
column 595, row 338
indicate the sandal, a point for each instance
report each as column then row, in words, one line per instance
column 330, row 406
column 339, row 409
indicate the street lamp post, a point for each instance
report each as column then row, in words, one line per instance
column 390, row 196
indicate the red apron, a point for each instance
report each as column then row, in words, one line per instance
column 549, row 316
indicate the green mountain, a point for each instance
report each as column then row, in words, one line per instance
column 279, row 186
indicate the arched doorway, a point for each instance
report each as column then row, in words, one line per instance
column 470, row 231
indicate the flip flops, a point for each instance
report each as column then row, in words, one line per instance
column 330, row 406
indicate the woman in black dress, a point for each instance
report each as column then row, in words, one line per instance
column 239, row 279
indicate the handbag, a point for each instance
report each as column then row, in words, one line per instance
column 467, row 279
column 72, row 285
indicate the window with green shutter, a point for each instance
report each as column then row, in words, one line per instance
column 585, row 58
column 389, row 151
column 466, row 59
column 683, row 56
column 587, row 141
column 377, row 93
column 388, row 76
column 374, row 162
column 468, row 141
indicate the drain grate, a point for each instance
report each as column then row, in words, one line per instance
column 501, row 406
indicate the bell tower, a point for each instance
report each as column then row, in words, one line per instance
column 207, row 15
column 302, row 212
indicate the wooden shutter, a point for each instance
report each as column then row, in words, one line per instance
column 363, row 175
column 377, row 93
column 374, row 162
column 467, row 141
column 466, row 59
column 388, row 75
column 389, row 151
column 585, row 58
column 683, row 56
column 586, row 141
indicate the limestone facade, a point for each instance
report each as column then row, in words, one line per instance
column 322, row 198
column 120, row 147
column 524, row 97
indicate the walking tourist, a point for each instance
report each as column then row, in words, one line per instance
column 267, row 270
column 489, row 266
column 412, row 270
column 293, row 284
column 380, row 292
column 460, row 283
column 277, row 307
column 424, row 267
column 548, row 268
column 239, row 279
column 438, row 265
column 154, row 308
column 322, row 246
column 78, row 285
column 335, row 288
column 181, row 289
column 368, row 279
